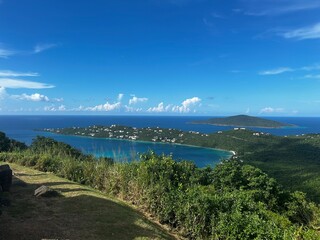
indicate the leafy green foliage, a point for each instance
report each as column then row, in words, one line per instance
column 8, row 145
column 53, row 147
column 232, row 201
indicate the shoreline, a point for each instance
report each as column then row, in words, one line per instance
column 232, row 153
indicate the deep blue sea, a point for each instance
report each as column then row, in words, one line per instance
column 23, row 128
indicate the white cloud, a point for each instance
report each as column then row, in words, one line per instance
column 276, row 71
column 3, row 93
column 57, row 100
column 186, row 105
column 8, row 73
column 36, row 97
column 315, row 66
column 19, row 83
column 105, row 107
column 271, row 110
column 160, row 108
column 312, row 76
column 77, row 109
column 132, row 109
column 310, row 32
column 120, row 97
column 62, row 108
column 42, row 47
column 135, row 100
column 277, row 7
column 5, row 53
column 53, row 108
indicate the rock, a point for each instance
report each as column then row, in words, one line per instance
column 5, row 177
column 45, row 191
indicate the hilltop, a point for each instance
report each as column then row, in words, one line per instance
column 231, row 201
column 244, row 121
column 79, row 213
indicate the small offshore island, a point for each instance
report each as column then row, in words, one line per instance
column 244, row 121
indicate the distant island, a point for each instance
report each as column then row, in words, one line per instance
column 244, row 121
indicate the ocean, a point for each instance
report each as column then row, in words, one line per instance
column 23, row 128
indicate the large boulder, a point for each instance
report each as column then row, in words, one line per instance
column 5, row 177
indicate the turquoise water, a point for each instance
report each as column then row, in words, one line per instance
column 124, row 150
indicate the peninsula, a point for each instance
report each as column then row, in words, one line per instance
column 286, row 158
column 244, row 121
column 149, row 134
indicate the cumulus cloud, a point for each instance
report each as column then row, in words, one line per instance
column 53, row 108
column 276, row 71
column 62, row 108
column 132, row 109
column 36, row 97
column 186, row 105
column 42, row 47
column 9, row 73
column 160, row 108
column 271, row 110
column 135, row 100
column 120, row 97
column 105, row 107
column 19, row 83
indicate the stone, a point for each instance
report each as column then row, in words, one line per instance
column 5, row 177
column 45, row 191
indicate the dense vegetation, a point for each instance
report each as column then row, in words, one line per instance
column 244, row 121
column 294, row 160
column 232, row 201
column 7, row 144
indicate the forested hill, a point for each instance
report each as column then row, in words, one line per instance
column 244, row 121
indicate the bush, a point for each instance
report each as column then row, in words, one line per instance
column 231, row 201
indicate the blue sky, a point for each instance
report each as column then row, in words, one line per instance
column 160, row 57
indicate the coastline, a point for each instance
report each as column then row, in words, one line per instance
column 232, row 153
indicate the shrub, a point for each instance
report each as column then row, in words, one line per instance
column 231, row 201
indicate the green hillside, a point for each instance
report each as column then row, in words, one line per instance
column 244, row 121
column 231, row 201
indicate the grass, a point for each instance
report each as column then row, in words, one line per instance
column 79, row 213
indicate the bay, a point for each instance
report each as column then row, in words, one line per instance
column 23, row 128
